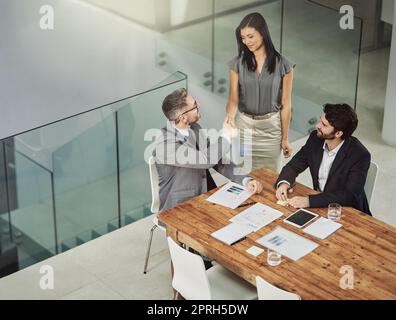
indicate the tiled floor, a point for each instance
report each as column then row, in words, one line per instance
column 110, row 267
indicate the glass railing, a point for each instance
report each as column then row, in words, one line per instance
column 166, row 15
column 198, row 37
column 91, row 179
column 327, row 59
column 143, row 12
column 327, row 56
column 6, row 204
column 132, row 142
column 85, row 175
column 33, row 219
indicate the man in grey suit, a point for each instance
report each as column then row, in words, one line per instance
column 183, row 153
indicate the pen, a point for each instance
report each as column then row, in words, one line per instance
column 238, row 240
column 246, row 204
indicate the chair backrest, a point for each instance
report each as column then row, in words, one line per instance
column 267, row 291
column 370, row 181
column 154, row 181
column 189, row 274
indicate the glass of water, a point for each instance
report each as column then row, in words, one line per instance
column 334, row 212
column 273, row 258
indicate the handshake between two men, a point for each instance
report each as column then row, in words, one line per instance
column 338, row 162
column 230, row 132
column 282, row 191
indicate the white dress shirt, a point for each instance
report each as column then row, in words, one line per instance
column 325, row 165
column 184, row 132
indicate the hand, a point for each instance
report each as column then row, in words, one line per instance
column 254, row 186
column 229, row 130
column 230, row 121
column 281, row 192
column 286, row 147
column 299, row 202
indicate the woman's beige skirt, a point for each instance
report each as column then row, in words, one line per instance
column 261, row 145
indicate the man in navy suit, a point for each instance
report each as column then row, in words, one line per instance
column 338, row 163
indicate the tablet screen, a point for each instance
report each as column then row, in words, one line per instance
column 301, row 217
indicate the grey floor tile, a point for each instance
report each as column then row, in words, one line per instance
column 94, row 291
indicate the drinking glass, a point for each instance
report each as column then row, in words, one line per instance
column 334, row 212
column 273, row 258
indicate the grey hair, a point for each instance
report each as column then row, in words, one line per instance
column 174, row 103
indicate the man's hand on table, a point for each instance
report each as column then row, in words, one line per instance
column 296, row 202
column 281, row 192
column 254, row 186
column 299, row 202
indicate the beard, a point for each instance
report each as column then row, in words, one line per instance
column 196, row 118
column 321, row 135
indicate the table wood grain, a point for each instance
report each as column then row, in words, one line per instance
column 363, row 243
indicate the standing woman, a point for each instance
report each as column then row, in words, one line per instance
column 260, row 94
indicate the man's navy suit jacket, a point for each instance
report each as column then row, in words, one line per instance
column 347, row 176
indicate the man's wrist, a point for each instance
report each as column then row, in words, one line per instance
column 309, row 201
column 283, row 181
column 246, row 180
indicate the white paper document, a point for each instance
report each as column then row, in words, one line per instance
column 231, row 195
column 255, row 251
column 287, row 243
column 232, row 232
column 257, row 216
column 322, row 228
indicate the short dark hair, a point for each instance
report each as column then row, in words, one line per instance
column 342, row 117
column 174, row 103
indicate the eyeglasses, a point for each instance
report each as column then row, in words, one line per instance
column 195, row 107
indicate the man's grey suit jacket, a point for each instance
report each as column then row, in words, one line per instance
column 183, row 177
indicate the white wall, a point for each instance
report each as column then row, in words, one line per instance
column 90, row 59
column 389, row 128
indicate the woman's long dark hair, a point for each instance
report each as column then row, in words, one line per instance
column 256, row 20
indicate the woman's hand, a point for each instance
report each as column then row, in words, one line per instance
column 230, row 121
column 229, row 131
column 286, row 147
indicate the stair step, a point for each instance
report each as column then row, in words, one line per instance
column 68, row 244
column 111, row 227
column 128, row 220
column 95, row 234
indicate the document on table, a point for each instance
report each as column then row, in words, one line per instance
column 232, row 232
column 287, row 243
column 231, row 195
column 257, row 216
column 322, row 228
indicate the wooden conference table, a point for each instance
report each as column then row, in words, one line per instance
column 364, row 243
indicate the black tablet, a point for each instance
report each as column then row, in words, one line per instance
column 300, row 218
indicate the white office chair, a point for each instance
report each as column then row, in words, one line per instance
column 370, row 181
column 267, row 291
column 193, row 282
column 155, row 203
